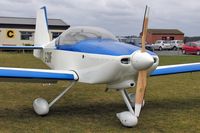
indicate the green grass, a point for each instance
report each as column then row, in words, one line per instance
column 172, row 103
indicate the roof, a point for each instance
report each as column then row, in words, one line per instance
column 165, row 31
column 29, row 21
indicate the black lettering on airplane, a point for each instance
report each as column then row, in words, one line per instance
column 48, row 56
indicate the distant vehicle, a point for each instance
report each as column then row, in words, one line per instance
column 177, row 44
column 134, row 41
column 147, row 46
column 137, row 42
column 191, row 48
column 161, row 45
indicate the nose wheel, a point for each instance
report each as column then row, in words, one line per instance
column 127, row 119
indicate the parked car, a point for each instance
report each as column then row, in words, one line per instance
column 149, row 47
column 176, row 44
column 191, row 48
column 137, row 42
column 161, row 45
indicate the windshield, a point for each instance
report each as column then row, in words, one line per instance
column 77, row 34
column 158, row 41
column 180, row 41
column 195, row 44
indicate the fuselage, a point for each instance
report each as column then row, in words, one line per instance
column 97, row 61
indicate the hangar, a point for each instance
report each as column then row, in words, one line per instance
column 18, row 31
column 164, row 34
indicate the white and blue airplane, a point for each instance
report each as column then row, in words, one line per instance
column 93, row 55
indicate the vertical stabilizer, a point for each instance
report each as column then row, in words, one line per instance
column 41, row 31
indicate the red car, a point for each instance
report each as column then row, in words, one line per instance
column 191, row 48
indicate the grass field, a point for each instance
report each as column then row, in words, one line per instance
column 172, row 103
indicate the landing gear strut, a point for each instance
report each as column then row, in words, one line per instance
column 131, row 98
column 127, row 118
column 41, row 106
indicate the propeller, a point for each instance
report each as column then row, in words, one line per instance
column 142, row 75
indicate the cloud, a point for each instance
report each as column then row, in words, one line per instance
column 122, row 17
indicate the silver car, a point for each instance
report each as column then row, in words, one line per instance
column 177, row 44
column 161, row 45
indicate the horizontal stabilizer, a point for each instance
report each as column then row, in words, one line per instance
column 36, row 74
column 20, row 47
column 175, row 69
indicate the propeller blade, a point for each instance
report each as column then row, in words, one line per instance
column 144, row 30
column 142, row 75
column 140, row 91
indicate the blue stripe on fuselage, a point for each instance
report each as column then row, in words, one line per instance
column 101, row 46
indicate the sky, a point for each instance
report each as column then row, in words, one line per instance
column 121, row 17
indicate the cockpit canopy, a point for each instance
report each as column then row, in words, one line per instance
column 77, row 34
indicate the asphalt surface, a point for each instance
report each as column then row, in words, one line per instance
column 169, row 52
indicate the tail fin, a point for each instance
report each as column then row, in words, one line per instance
column 41, row 31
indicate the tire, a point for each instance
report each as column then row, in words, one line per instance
column 198, row 52
column 160, row 48
column 175, row 48
column 183, row 51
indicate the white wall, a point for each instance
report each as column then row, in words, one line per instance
column 15, row 37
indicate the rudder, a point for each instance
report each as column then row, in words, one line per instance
column 41, row 31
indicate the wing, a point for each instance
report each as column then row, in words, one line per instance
column 20, row 47
column 175, row 69
column 35, row 75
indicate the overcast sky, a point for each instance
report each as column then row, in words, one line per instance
column 121, row 17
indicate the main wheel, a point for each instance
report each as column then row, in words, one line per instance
column 41, row 106
column 198, row 52
column 183, row 51
column 160, row 48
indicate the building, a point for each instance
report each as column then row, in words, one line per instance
column 164, row 34
column 20, row 31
